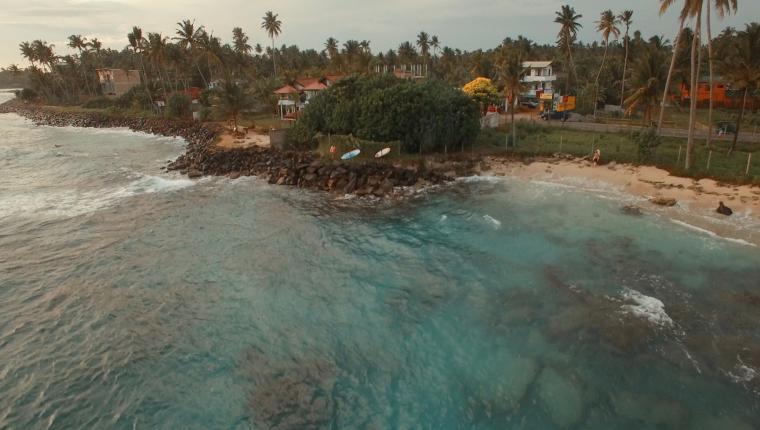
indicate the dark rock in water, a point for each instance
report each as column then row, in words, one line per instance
column 234, row 175
column 664, row 201
column 193, row 173
column 631, row 210
column 724, row 210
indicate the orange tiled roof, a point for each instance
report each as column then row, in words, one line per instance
column 287, row 89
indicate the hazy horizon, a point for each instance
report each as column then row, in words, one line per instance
column 386, row 25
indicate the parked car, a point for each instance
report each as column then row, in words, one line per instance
column 529, row 104
column 725, row 127
column 554, row 115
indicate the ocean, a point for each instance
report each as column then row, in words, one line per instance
column 133, row 298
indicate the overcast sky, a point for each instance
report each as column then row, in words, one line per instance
column 464, row 24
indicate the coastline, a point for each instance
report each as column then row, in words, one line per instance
column 636, row 187
column 203, row 157
column 696, row 200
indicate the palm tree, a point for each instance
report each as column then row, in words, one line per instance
column 233, row 100
column 423, row 42
column 331, row 47
column 569, row 26
column 626, row 18
column 607, row 25
column 511, row 73
column 435, row 44
column 273, row 27
column 721, row 6
column 741, row 66
column 240, row 41
column 406, row 52
column 648, row 77
column 188, row 38
column 28, row 52
column 156, row 49
column 137, row 43
column 351, row 50
column 76, row 41
column 690, row 9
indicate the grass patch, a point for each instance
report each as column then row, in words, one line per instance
column 537, row 140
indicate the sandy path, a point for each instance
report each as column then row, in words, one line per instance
column 227, row 141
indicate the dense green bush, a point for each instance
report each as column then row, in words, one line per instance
column 426, row 116
column 136, row 98
column 98, row 103
column 179, row 106
column 646, row 141
column 27, row 94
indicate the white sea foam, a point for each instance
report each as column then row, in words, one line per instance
column 711, row 233
column 494, row 222
column 743, row 373
column 485, row 178
column 69, row 203
column 649, row 308
column 443, row 218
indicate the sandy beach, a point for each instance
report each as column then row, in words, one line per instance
column 696, row 200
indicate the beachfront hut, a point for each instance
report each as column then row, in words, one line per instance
column 289, row 100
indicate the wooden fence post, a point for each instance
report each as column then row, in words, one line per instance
column 709, row 157
column 678, row 161
column 749, row 160
column 561, row 140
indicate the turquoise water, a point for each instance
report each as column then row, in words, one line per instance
column 132, row 298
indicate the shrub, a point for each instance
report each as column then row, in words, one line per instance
column 136, row 98
column 98, row 103
column 179, row 105
column 646, row 141
column 27, row 94
column 423, row 117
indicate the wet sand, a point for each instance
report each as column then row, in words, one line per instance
column 696, row 200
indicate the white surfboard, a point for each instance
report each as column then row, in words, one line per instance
column 383, row 152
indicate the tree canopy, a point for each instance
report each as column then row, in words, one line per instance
column 429, row 116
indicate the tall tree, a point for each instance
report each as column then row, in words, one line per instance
column 240, row 41
column 607, row 25
column 721, row 6
column 273, row 27
column 685, row 12
column 510, row 74
column 188, row 38
column 648, row 77
column 435, row 44
column 76, row 41
column 423, row 42
column 137, row 43
column 567, row 18
column 626, row 18
column 741, row 66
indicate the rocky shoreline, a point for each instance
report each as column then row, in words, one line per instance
column 293, row 168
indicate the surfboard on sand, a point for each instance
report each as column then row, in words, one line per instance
column 383, row 152
column 351, row 154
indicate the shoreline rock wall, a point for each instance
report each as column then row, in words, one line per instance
column 294, row 168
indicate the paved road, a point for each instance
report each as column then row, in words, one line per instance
column 669, row 132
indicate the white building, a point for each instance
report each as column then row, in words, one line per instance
column 539, row 79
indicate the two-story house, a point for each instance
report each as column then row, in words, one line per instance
column 539, row 79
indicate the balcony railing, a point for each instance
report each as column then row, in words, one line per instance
column 549, row 78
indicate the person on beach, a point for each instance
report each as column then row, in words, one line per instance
column 597, row 157
column 333, row 151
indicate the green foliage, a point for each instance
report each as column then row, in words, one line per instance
column 98, row 103
column 179, row 106
column 424, row 117
column 27, row 94
column 136, row 98
column 646, row 142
